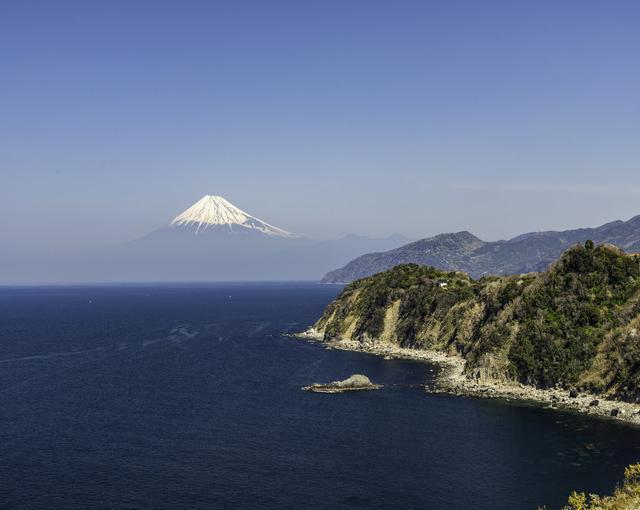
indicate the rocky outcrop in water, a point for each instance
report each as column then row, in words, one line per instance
column 356, row 382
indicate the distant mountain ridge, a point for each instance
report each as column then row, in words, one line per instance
column 462, row 251
column 213, row 240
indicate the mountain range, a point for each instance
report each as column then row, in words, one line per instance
column 213, row 240
column 462, row 251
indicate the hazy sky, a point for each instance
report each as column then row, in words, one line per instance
column 322, row 117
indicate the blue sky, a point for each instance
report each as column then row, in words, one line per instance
column 324, row 118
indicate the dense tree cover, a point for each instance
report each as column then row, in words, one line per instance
column 418, row 289
column 563, row 320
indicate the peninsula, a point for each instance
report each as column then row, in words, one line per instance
column 567, row 336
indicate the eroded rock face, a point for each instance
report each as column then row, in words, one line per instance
column 356, row 382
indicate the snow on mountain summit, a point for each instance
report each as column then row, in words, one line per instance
column 214, row 210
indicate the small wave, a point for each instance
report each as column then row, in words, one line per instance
column 184, row 331
column 177, row 335
column 257, row 329
column 310, row 369
column 51, row 355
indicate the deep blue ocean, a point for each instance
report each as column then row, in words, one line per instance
column 189, row 397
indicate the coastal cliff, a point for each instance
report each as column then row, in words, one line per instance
column 574, row 327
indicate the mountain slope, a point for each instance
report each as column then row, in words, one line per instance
column 464, row 252
column 447, row 251
column 575, row 325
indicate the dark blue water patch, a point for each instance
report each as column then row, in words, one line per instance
column 189, row 397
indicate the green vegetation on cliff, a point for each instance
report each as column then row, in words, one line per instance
column 575, row 325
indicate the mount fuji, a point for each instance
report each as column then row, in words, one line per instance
column 213, row 212
column 213, row 240
column 215, row 218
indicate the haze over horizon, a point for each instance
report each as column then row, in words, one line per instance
column 323, row 119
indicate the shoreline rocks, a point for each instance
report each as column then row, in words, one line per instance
column 453, row 381
column 357, row 382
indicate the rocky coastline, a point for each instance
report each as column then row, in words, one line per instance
column 452, row 380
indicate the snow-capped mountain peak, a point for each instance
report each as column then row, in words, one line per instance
column 214, row 210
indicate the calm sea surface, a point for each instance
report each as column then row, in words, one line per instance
column 189, row 397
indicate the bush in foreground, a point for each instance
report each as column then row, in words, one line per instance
column 625, row 497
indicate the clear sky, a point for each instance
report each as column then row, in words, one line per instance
column 322, row 117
